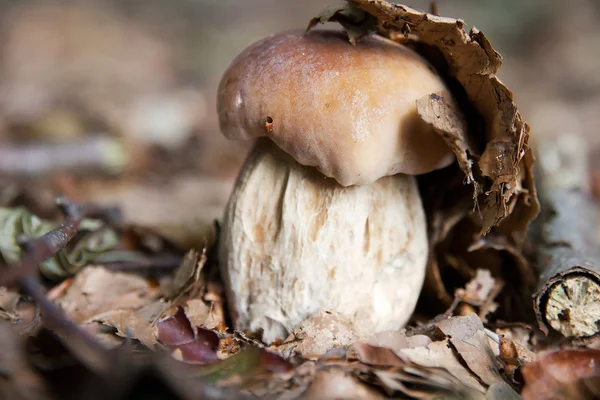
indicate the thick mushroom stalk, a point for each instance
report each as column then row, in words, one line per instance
column 294, row 243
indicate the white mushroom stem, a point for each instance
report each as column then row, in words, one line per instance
column 295, row 243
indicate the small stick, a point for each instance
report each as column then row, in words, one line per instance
column 166, row 263
column 92, row 153
column 83, row 346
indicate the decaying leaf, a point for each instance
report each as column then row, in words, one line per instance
column 466, row 334
column 206, row 316
column 135, row 324
column 357, row 22
column 187, row 277
column 203, row 306
column 19, row 380
column 410, row 378
column 125, row 302
column 319, row 334
column 513, row 357
column 398, row 340
column 188, row 344
column 440, row 355
column 131, row 305
column 479, row 292
column 96, row 290
column 563, row 374
column 448, row 123
column 8, row 304
column 200, row 347
column 252, row 366
column 453, row 358
column 502, row 391
column 335, row 383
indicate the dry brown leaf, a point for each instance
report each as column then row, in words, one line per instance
column 478, row 289
column 203, row 315
column 563, row 374
column 19, row 381
column 440, row 355
column 397, row 340
column 135, row 324
column 465, row 354
column 202, row 303
column 108, row 336
column 336, row 383
column 467, row 336
column 379, row 356
column 412, row 379
column 513, row 356
column 8, row 304
column 449, row 123
column 187, row 342
column 356, row 22
column 187, row 278
column 319, row 334
column 501, row 391
column 480, row 292
column 424, row 384
column 519, row 333
column 96, row 290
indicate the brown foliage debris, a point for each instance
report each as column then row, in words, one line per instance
column 563, row 374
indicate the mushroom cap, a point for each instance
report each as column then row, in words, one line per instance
column 348, row 110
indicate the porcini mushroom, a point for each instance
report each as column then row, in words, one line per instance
column 326, row 213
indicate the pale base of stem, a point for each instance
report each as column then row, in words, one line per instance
column 294, row 243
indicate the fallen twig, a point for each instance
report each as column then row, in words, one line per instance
column 166, row 263
column 90, row 352
column 92, row 153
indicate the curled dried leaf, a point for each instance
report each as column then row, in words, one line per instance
column 355, row 21
column 192, row 346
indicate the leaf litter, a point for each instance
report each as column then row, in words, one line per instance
column 179, row 319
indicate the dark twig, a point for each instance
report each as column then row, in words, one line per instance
column 90, row 352
column 51, row 243
column 166, row 263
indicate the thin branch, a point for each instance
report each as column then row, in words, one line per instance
column 91, row 153
column 82, row 345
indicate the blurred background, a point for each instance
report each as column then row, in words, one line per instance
column 114, row 101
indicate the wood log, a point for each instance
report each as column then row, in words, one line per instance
column 567, row 298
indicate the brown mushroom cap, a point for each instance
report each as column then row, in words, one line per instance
column 350, row 111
